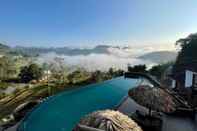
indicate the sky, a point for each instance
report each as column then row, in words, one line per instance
column 93, row 22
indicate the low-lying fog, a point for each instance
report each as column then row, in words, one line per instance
column 93, row 62
column 118, row 58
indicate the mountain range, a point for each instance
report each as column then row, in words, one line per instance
column 101, row 49
column 117, row 51
column 160, row 56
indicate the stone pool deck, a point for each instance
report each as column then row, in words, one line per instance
column 170, row 123
column 13, row 128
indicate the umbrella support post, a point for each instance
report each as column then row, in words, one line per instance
column 150, row 112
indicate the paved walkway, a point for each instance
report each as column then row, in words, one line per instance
column 13, row 128
column 178, row 124
column 170, row 123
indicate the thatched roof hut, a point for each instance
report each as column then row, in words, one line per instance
column 153, row 98
column 109, row 120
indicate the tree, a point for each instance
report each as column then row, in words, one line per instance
column 114, row 72
column 97, row 76
column 4, row 48
column 159, row 70
column 137, row 68
column 31, row 72
column 62, row 67
column 111, row 71
column 187, row 57
column 76, row 75
column 7, row 69
column 2, row 67
column 156, row 71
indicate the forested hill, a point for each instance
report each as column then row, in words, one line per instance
column 115, row 51
column 160, row 56
column 4, row 49
column 33, row 51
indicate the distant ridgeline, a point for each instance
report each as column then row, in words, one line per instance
column 4, row 48
column 160, row 56
column 34, row 51
column 155, row 57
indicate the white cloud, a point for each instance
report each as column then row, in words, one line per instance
column 94, row 62
column 116, row 57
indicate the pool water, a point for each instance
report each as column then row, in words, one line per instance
column 63, row 111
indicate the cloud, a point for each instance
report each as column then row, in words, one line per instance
column 94, row 62
column 116, row 57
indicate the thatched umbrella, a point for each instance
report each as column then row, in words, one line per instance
column 153, row 98
column 109, row 120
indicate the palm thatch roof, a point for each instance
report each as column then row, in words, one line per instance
column 154, row 98
column 109, row 120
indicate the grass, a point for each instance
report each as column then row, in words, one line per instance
column 4, row 85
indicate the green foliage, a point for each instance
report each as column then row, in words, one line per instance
column 2, row 95
column 2, row 46
column 97, row 76
column 31, row 72
column 7, row 68
column 137, row 68
column 78, row 76
column 114, row 73
column 3, row 85
column 159, row 70
column 187, row 56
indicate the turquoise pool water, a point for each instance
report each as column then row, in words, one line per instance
column 62, row 112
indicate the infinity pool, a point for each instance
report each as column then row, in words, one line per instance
column 62, row 112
